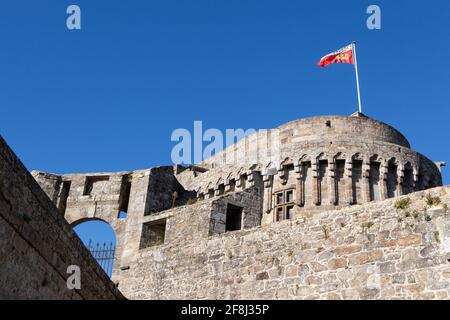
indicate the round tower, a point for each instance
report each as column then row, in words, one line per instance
column 325, row 162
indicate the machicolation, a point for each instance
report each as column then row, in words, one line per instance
column 300, row 211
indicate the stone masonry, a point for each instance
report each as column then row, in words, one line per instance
column 37, row 245
column 305, row 211
column 389, row 249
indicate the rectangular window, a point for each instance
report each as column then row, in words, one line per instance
column 284, row 207
column 63, row 196
column 280, row 213
column 280, row 198
column 234, row 218
column 125, row 189
column 289, row 196
column 95, row 185
column 289, row 212
column 153, row 233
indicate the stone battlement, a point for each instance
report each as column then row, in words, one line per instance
column 284, row 187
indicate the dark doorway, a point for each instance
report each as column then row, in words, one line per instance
column 234, row 218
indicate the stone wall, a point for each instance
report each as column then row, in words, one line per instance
column 289, row 180
column 392, row 249
column 308, row 133
column 103, row 196
column 37, row 245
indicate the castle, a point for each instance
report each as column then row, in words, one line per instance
column 276, row 215
column 307, row 210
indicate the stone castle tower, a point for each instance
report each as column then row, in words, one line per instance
column 295, row 171
column 322, row 163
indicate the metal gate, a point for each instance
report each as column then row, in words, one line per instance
column 104, row 254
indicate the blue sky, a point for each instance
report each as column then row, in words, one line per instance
column 107, row 97
column 98, row 232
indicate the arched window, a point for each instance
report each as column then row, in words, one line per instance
column 100, row 239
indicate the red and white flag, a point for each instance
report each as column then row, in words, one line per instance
column 343, row 55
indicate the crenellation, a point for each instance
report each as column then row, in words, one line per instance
column 318, row 194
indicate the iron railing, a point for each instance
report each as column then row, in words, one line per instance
column 104, row 254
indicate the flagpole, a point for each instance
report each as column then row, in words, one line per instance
column 357, row 78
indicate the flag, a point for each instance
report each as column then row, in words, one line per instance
column 343, row 55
